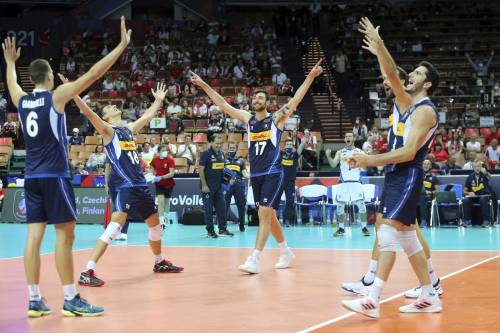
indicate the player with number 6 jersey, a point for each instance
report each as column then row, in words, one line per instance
column 127, row 186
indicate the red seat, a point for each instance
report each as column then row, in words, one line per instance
column 470, row 132
column 485, row 132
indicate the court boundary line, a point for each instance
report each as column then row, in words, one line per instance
column 350, row 314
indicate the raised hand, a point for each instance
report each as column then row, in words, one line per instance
column 125, row 34
column 62, row 78
column 317, row 70
column 196, row 79
column 161, row 91
column 328, row 152
column 367, row 28
column 9, row 50
column 370, row 45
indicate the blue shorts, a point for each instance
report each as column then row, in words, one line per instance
column 137, row 202
column 401, row 194
column 49, row 200
column 267, row 189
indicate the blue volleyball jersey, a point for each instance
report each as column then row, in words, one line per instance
column 44, row 134
column 236, row 165
column 125, row 163
column 264, row 146
column 400, row 125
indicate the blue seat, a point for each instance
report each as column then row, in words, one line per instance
column 311, row 196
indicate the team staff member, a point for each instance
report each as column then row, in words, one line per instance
column 237, row 185
column 477, row 189
column 211, row 176
column 428, row 191
column 164, row 170
column 289, row 161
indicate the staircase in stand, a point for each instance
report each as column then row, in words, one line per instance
column 24, row 77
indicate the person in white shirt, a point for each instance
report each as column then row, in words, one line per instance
column 200, row 109
column 369, row 144
column 238, row 70
column 187, row 150
column 471, row 157
column 212, row 38
column 171, row 148
column 96, row 158
column 279, row 78
column 174, row 108
column 350, row 191
column 474, row 144
column 310, row 152
column 147, row 153
column 107, row 84
column 493, row 153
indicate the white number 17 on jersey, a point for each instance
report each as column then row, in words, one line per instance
column 259, row 147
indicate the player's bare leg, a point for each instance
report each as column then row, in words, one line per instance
column 286, row 255
column 154, row 235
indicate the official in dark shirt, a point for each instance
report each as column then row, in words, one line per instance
column 289, row 161
column 428, row 191
column 211, row 171
column 477, row 189
column 237, row 186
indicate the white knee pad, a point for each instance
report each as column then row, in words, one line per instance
column 340, row 208
column 387, row 238
column 155, row 233
column 409, row 242
column 113, row 230
column 361, row 206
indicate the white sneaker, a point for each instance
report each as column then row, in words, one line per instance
column 357, row 288
column 365, row 306
column 285, row 259
column 423, row 305
column 122, row 237
column 415, row 292
column 250, row 266
column 162, row 222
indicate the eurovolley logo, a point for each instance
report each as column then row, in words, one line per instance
column 19, row 205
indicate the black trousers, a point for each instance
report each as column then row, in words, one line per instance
column 484, row 202
column 424, row 207
column 238, row 189
column 289, row 214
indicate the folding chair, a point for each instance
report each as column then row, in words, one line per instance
column 449, row 196
column 310, row 196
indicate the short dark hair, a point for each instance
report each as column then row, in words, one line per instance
column 432, row 76
column 160, row 147
column 38, row 69
column 403, row 75
column 268, row 97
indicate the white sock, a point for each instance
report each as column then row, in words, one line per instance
column 162, row 219
column 376, row 289
column 342, row 225
column 364, row 224
column 283, row 246
column 34, row 292
column 90, row 264
column 69, row 291
column 428, row 292
column 432, row 274
column 256, row 254
column 158, row 258
column 370, row 274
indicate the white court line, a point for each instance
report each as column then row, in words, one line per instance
column 350, row 314
column 42, row 254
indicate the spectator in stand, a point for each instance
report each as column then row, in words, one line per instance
column 215, row 123
column 200, row 70
column 279, row 77
column 189, row 90
column 147, row 153
column 360, row 131
column 493, row 135
column 369, row 146
column 213, row 37
column 239, row 70
column 130, row 113
column 164, row 171
column 440, row 154
column 3, row 109
column 435, row 167
column 171, row 148
column 474, row 144
column 107, row 84
column 450, row 165
column 174, row 109
column 76, row 139
column 71, row 66
column 481, row 67
column 121, row 84
column 340, row 63
column 310, row 153
column 187, row 150
column 455, row 147
column 80, row 169
column 98, row 157
column 200, row 108
column 471, row 157
column 213, row 71
column 493, row 154
column 174, row 89
column 187, row 110
column 286, row 89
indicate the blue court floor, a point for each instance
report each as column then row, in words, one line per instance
column 12, row 238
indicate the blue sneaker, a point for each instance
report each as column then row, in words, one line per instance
column 78, row 307
column 38, row 308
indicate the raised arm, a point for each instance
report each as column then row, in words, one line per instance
column 422, row 121
column 11, row 55
column 232, row 112
column 334, row 162
column 288, row 109
column 374, row 43
column 66, row 92
column 159, row 95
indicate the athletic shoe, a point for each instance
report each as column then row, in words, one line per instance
column 423, row 305
column 38, row 308
column 285, row 259
column 365, row 306
column 485, row 224
column 358, row 288
column 242, row 228
column 166, row 267
column 365, row 231
column 89, row 279
column 415, row 292
column 211, row 234
column 250, row 266
column 122, row 237
column 78, row 307
column 225, row 233
column 163, row 223
column 339, row 232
